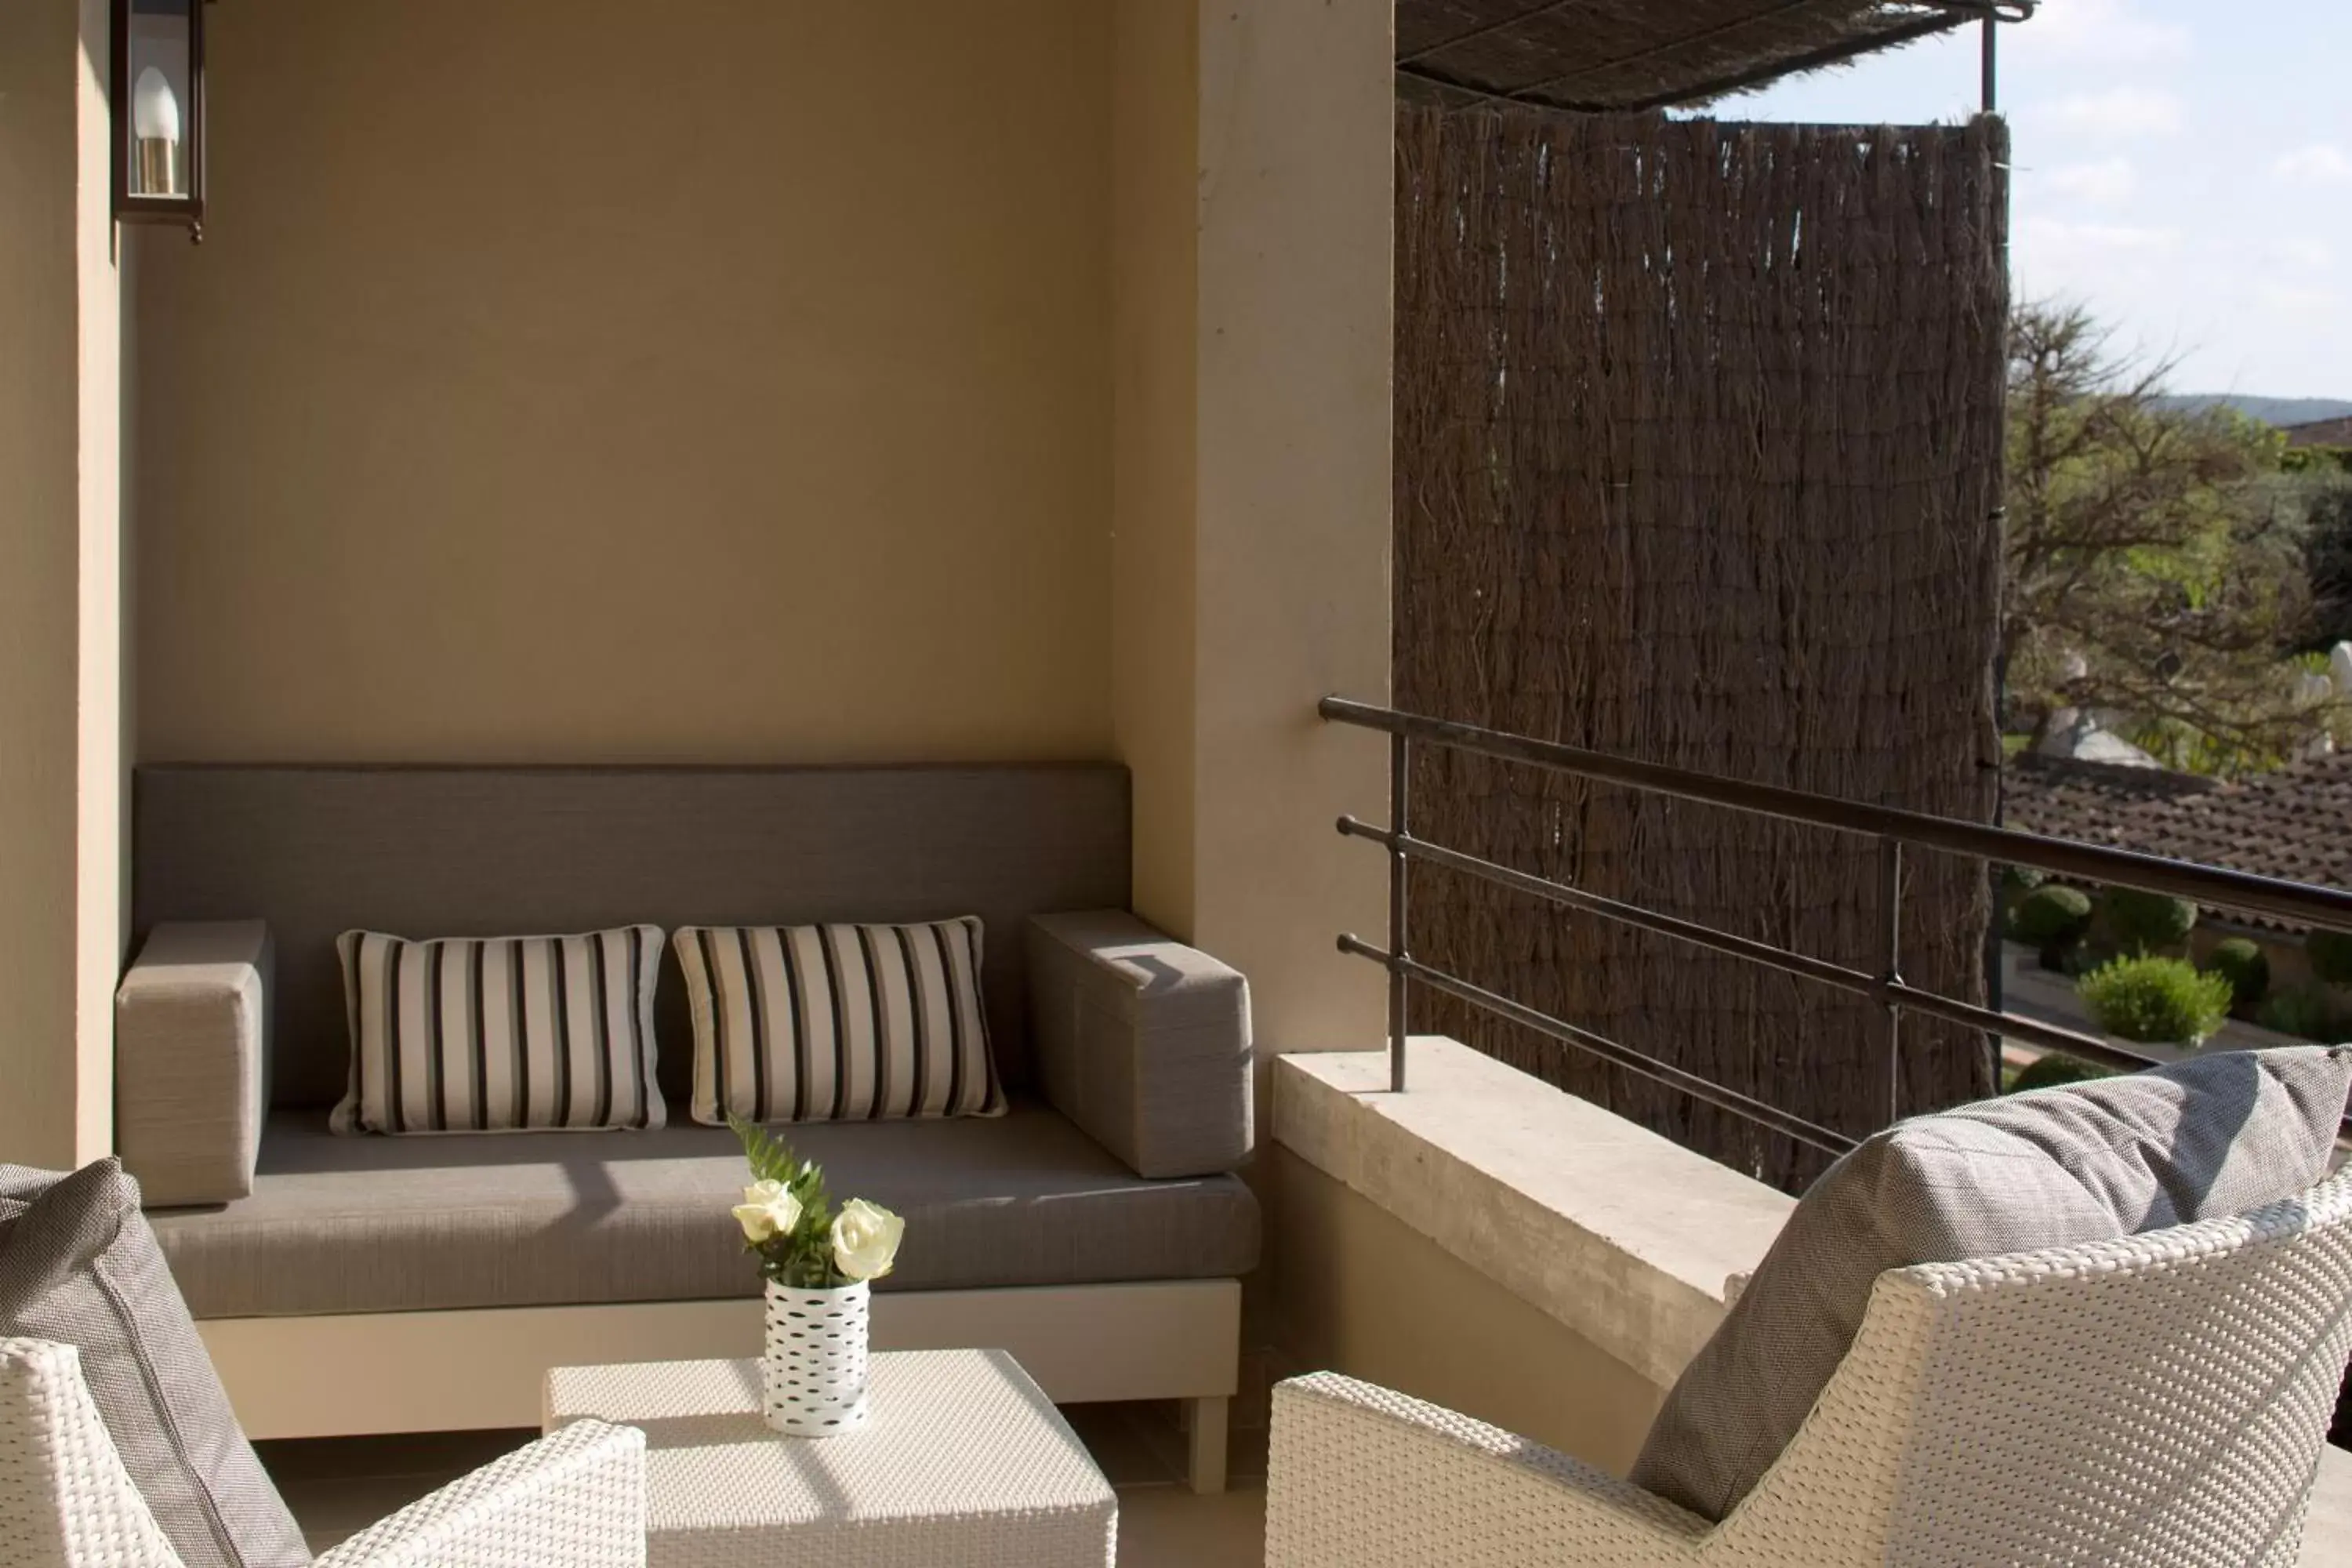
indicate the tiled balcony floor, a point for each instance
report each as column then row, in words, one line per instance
column 337, row 1486
column 340, row 1485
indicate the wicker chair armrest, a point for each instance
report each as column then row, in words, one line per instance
column 574, row 1499
column 1362, row 1478
column 66, row 1500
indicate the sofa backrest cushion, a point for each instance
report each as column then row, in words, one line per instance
column 78, row 1266
column 2092, row 1162
column 438, row 852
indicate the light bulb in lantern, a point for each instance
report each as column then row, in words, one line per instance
column 154, row 112
column 155, row 121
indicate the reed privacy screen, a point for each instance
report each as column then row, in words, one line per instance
column 1698, row 449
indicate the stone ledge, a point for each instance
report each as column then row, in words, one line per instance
column 1622, row 1235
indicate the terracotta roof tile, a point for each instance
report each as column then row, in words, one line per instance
column 2094, row 802
column 2295, row 824
column 2319, row 433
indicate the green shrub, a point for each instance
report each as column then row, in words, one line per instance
column 2025, row 878
column 2331, row 956
column 2147, row 922
column 2054, row 1070
column 2155, row 999
column 2247, row 968
column 2051, row 917
column 2305, row 1013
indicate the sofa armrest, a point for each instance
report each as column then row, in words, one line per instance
column 1142, row 1041
column 192, row 1061
column 574, row 1499
column 1359, row 1477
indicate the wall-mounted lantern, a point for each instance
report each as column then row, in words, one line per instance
column 159, row 112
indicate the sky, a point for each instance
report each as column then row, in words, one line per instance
column 2183, row 168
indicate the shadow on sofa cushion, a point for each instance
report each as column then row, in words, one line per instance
column 347, row 1225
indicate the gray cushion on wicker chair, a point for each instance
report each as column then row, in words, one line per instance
column 2091, row 1161
column 78, row 1266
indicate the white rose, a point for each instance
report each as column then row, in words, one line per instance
column 866, row 1240
column 768, row 1210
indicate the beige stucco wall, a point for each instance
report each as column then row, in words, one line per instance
column 593, row 380
column 1358, row 1291
column 1155, row 279
column 728, row 380
column 710, row 381
column 61, row 623
column 105, row 714
column 38, row 600
column 1488, row 1242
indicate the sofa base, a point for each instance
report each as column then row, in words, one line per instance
column 437, row 1372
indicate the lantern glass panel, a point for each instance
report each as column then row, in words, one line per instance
column 161, row 102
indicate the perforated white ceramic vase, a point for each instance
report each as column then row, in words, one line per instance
column 813, row 1378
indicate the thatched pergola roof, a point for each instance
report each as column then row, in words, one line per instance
column 1600, row 55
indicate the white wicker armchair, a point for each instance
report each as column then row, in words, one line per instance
column 2156, row 1401
column 575, row 1500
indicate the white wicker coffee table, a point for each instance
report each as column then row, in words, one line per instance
column 963, row 1461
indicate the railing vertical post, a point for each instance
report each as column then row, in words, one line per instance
column 1890, row 907
column 1400, row 948
column 1989, row 66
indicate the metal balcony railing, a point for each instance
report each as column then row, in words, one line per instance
column 2296, row 903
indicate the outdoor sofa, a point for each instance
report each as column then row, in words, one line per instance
column 348, row 1284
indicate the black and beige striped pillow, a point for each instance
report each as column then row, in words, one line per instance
column 500, row 1034
column 838, row 1023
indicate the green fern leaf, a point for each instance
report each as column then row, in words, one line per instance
column 766, row 1154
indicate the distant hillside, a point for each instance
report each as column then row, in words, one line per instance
column 2269, row 410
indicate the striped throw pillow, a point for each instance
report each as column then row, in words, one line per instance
column 500, row 1034
column 838, row 1023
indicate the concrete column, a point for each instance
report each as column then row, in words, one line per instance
column 62, row 787
column 1250, row 570
column 1297, row 140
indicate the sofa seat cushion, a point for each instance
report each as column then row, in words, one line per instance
column 382, row 1224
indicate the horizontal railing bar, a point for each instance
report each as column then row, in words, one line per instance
column 2015, row 1026
column 1600, row 1045
column 2297, row 903
column 1785, row 960
column 1804, row 966
column 1709, row 936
